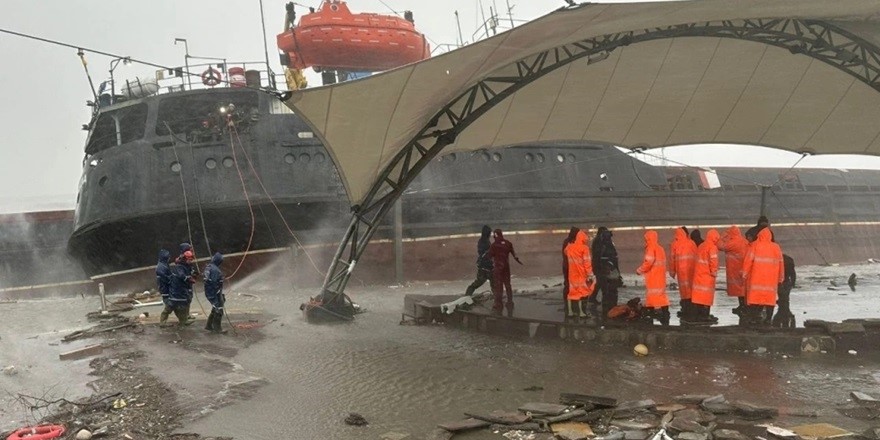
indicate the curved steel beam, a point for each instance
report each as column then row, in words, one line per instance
column 820, row 40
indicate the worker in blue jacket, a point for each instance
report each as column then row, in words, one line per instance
column 163, row 275
column 214, row 293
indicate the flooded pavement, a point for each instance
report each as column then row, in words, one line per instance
column 291, row 379
column 408, row 379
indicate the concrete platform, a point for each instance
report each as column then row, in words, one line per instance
column 540, row 315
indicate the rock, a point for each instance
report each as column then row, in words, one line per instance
column 632, row 425
column 695, row 415
column 464, row 425
column 853, row 352
column 781, row 432
column 83, row 434
column 692, row 436
column 715, row 399
column 616, row 435
column 394, row 436
column 10, row 370
column 728, row 434
column 586, row 399
column 719, row 408
column 760, row 350
column 355, row 419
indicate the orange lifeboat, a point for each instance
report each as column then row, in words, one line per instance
column 334, row 38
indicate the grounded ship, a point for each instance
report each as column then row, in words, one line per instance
column 228, row 167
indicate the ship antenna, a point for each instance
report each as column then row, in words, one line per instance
column 82, row 57
column 266, row 48
column 460, row 37
column 510, row 13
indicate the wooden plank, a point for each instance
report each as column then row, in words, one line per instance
column 91, row 350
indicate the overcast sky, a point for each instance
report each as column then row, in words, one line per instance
column 44, row 88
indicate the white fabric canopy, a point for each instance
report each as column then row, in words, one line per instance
column 657, row 93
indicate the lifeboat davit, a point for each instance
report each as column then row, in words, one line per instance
column 334, row 38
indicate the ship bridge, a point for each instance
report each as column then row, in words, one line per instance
column 798, row 75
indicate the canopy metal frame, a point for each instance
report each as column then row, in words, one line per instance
column 818, row 39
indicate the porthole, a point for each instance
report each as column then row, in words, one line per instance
column 102, row 181
column 496, row 157
column 228, row 162
column 289, row 158
column 305, row 158
column 571, row 158
column 210, row 164
column 319, row 158
column 175, row 167
column 486, row 156
column 540, row 158
column 530, row 157
column 560, row 158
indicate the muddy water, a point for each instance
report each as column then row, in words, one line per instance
column 407, row 379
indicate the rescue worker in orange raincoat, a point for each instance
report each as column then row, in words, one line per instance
column 572, row 234
column 500, row 251
column 654, row 269
column 705, row 273
column 763, row 271
column 735, row 247
column 581, row 283
column 682, row 256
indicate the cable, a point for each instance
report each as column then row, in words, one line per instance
column 788, row 213
column 247, row 199
column 632, row 162
column 272, row 201
column 112, row 55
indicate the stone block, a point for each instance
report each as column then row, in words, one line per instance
column 552, row 409
column 463, row 425
column 865, row 400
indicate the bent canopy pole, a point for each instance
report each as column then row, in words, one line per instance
column 817, row 39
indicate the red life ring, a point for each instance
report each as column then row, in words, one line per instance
column 44, row 432
column 211, row 77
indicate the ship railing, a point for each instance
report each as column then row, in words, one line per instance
column 216, row 76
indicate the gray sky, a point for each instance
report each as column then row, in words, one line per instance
column 45, row 89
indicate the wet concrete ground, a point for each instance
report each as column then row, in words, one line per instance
column 296, row 380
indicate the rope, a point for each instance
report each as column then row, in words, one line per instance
column 788, row 213
column 247, row 198
column 275, row 205
column 186, row 210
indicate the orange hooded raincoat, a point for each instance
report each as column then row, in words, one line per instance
column 580, row 268
column 735, row 246
column 654, row 269
column 706, row 270
column 763, row 270
column 682, row 256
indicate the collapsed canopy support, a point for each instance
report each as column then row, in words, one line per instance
column 814, row 38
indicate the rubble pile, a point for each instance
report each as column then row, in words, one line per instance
column 686, row 417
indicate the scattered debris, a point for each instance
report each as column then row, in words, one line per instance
column 10, row 370
column 552, row 409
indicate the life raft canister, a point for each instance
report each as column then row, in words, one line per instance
column 37, row 433
column 211, row 77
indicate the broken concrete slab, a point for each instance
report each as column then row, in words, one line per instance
column 636, row 435
column 695, row 415
column 781, row 433
column 844, row 328
column 633, row 425
column 692, row 436
column 463, row 425
column 529, row 426
column 718, row 398
column 864, row 399
column 551, row 409
column 636, row 405
column 728, row 434
column 750, row 411
column 682, row 425
column 81, row 353
column 818, row 431
column 718, row 408
column 502, row 417
column 616, row 435
column 693, row 399
column 572, row 430
column 670, row 407
column 565, row 416
column 586, row 399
